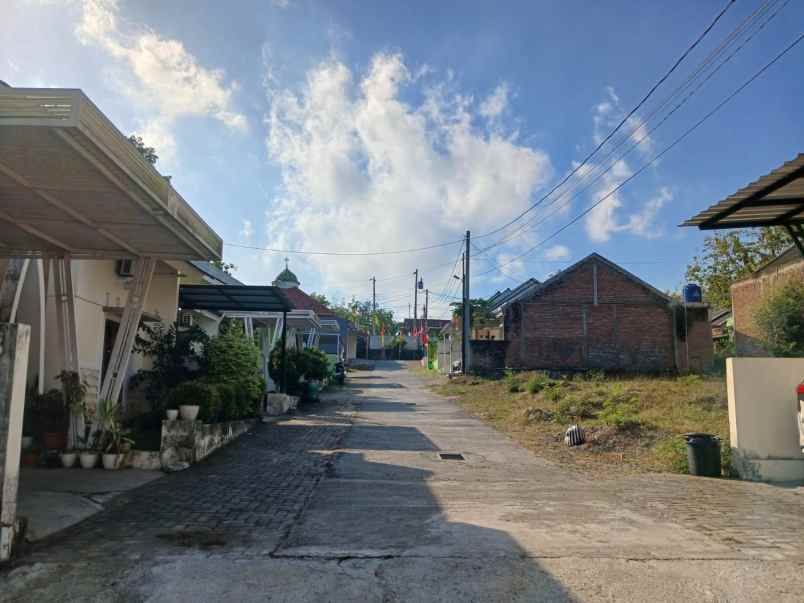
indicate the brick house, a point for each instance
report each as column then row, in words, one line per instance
column 747, row 294
column 596, row 314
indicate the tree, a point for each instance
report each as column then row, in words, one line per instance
column 481, row 311
column 149, row 153
column 321, row 299
column 729, row 257
column 780, row 318
column 223, row 266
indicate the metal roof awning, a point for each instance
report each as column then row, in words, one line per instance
column 233, row 298
column 776, row 199
column 72, row 184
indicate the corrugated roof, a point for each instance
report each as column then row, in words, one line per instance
column 775, row 199
column 215, row 273
column 233, row 298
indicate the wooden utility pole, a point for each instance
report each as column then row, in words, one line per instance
column 426, row 324
column 416, row 304
column 467, row 311
column 373, row 280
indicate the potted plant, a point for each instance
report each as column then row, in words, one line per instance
column 192, row 396
column 87, row 453
column 74, row 391
column 114, row 442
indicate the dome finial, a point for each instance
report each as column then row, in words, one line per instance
column 286, row 279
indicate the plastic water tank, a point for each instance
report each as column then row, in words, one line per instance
column 692, row 294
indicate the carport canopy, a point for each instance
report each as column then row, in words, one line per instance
column 233, row 298
column 776, row 199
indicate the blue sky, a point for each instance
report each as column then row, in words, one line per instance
column 353, row 126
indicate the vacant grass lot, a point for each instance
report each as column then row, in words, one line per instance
column 631, row 423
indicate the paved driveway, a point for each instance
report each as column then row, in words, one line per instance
column 355, row 502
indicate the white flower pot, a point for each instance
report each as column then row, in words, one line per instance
column 88, row 459
column 112, row 461
column 189, row 412
column 68, row 459
column 172, row 414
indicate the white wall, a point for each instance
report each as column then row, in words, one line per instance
column 763, row 424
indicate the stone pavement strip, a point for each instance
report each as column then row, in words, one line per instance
column 353, row 502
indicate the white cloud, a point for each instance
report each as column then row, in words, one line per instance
column 364, row 169
column 247, row 232
column 604, row 220
column 557, row 252
column 158, row 74
column 281, row 3
column 493, row 106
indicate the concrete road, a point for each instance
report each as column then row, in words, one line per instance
column 389, row 518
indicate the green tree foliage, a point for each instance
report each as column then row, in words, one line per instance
column 149, row 153
column 729, row 257
column 481, row 311
column 198, row 393
column 176, row 356
column 360, row 313
column 780, row 317
column 224, row 266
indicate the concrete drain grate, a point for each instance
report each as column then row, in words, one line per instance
column 451, row 456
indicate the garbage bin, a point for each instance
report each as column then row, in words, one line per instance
column 703, row 454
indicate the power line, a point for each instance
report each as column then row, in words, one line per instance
column 620, row 125
column 346, row 253
column 678, row 140
column 577, row 188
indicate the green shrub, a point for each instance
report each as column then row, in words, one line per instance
column 233, row 358
column 571, row 408
column 538, row 382
column 227, row 392
column 199, row 393
column 314, row 365
column 780, row 319
column 690, row 380
column 595, row 376
column 512, row 383
column 671, row 454
column 293, row 369
column 620, row 410
column 553, row 391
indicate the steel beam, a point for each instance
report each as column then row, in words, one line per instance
column 129, row 323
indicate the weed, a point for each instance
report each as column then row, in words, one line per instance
column 691, row 379
column 572, row 407
column 671, row 454
column 621, row 410
column 595, row 376
column 538, row 382
column 512, row 382
column 553, row 392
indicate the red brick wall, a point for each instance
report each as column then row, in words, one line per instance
column 628, row 329
column 746, row 297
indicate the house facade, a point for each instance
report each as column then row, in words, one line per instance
column 748, row 294
column 596, row 315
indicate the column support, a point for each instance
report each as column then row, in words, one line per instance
column 65, row 312
column 14, row 342
column 129, row 323
column 11, row 288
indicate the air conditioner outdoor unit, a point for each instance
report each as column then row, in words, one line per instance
column 186, row 319
column 124, row 268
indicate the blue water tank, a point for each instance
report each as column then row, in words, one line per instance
column 692, row 294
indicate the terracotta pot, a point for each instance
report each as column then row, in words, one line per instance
column 88, row 459
column 54, row 440
column 172, row 414
column 189, row 412
column 68, row 459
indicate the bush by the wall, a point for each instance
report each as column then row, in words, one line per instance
column 293, row 373
column 196, row 392
column 780, row 318
column 234, row 358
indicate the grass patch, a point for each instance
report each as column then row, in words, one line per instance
column 633, row 423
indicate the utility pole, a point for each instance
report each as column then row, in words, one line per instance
column 373, row 280
column 467, row 311
column 416, row 303
column 426, row 325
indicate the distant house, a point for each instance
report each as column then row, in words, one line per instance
column 720, row 321
column 595, row 314
column 747, row 295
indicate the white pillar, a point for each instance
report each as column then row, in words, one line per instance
column 65, row 312
column 14, row 342
column 129, row 323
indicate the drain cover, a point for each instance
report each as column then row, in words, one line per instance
column 451, row 456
